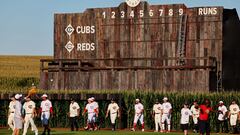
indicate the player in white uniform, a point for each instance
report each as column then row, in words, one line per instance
column 157, row 113
column 91, row 110
column 74, row 111
column 11, row 113
column 18, row 117
column 222, row 119
column 138, row 115
column 195, row 114
column 166, row 114
column 233, row 115
column 113, row 109
column 185, row 114
column 96, row 123
column 46, row 110
column 30, row 112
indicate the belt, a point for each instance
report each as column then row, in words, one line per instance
column 28, row 113
column 114, row 113
column 45, row 111
column 234, row 113
column 12, row 112
column 157, row 113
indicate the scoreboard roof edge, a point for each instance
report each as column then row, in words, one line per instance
column 142, row 2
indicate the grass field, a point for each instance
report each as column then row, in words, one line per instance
column 105, row 132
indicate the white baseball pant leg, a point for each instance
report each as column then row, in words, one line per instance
column 11, row 120
column 233, row 119
column 158, row 122
column 113, row 118
column 167, row 118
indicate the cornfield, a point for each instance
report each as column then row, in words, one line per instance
column 60, row 118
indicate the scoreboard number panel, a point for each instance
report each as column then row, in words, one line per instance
column 141, row 13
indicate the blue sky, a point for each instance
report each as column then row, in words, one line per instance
column 26, row 26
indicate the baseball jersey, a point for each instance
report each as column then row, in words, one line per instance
column 95, row 104
column 234, row 109
column 46, row 105
column 18, row 109
column 223, row 110
column 29, row 107
column 194, row 110
column 138, row 108
column 73, row 109
column 157, row 108
column 12, row 106
column 113, row 108
column 185, row 114
column 166, row 107
column 90, row 107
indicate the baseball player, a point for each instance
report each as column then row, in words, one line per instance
column 96, row 106
column 113, row 109
column 18, row 118
column 157, row 113
column 46, row 110
column 195, row 115
column 185, row 114
column 74, row 111
column 222, row 119
column 30, row 112
column 138, row 115
column 92, row 111
column 233, row 115
column 166, row 114
column 11, row 113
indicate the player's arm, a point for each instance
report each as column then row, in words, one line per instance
column 118, row 111
column 84, row 111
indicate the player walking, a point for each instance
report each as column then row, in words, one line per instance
column 46, row 110
column 222, row 118
column 138, row 115
column 30, row 112
column 185, row 114
column 74, row 111
column 11, row 113
column 204, row 124
column 157, row 113
column 233, row 116
column 113, row 109
column 195, row 115
column 18, row 119
column 166, row 114
column 96, row 106
column 91, row 110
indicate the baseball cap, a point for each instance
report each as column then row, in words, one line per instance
column 220, row 102
column 165, row 98
column 137, row 100
column 92, row 98
column 18, row 96
column 44, row 95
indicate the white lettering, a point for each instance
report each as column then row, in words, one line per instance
column 207, row 11
column 85, row 29
column 85, row 46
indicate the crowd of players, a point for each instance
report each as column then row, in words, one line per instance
column 21, row 116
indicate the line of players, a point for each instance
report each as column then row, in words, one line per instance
column 161, row 114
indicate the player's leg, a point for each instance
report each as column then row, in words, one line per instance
column 34, row 127
column 26, row 124
column 225, row 125
column 164, row 117
column 113, row 121
column 156, row 122
column 10, row 121
column 207, row 128
column 71, row 123
column 195, row 127
column 169, row 122
column 218, row 125
column 136, row 117
column 141, row 119
column 76, row 123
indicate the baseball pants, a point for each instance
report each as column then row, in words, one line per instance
column 29, row 120
column 195, row 119
column 138, row 117
column 233, row 119
column 91, row 117
column 45, row 117
column 166, row 117
column 158, row 121
column 11, row 120
column 113, row 118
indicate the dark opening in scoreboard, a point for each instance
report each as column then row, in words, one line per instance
column 138, row 46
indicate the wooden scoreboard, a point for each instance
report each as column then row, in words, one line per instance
column 137, row 46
